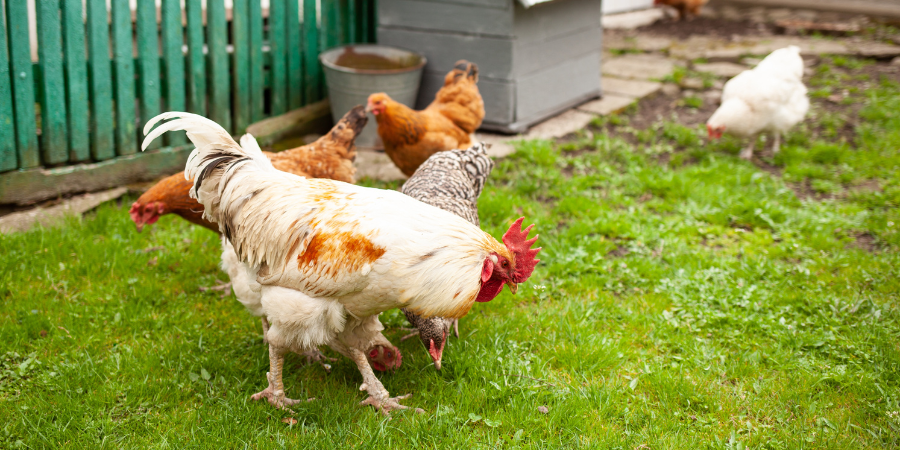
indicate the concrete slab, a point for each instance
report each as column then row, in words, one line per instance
column 55, row 215
column 561, row 125
column 638, row 67
column 632, row 19
column 718, row 50
column 376, row 165
column 721, row 69
column 609, row 104
column 876, row 50
column 640, row 42
column 629, row 88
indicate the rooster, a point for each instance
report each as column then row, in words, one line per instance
column 452, row 181
column 771, row 97
column 410, row 136
column 683, row 6
column 330, row 256
column 331, row 156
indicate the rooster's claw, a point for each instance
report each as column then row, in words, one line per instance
column 389, row 404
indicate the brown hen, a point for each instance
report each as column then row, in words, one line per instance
column 683, row 6
column 331, row 156
column 410, row 136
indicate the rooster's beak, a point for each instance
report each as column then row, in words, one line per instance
column 513, row 287
column 139, row 226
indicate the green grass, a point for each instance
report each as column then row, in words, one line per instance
column 692, row 304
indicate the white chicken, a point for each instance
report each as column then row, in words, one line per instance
column 330, row 256
column 771, row 97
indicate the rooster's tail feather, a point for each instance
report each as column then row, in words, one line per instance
column 215, row 158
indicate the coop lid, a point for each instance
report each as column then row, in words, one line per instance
column 529, row 3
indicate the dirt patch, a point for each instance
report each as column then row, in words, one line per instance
column 865, row 241
column 619, row 252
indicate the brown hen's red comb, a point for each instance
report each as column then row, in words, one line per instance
column 515, row 240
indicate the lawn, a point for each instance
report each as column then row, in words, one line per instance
column 686, row 299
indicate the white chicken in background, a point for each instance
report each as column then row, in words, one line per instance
column 330, row 256
column 771, row 98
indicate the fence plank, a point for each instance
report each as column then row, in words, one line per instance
column 173, row 56
column 54, row 145
column 103, row 144
column 240, row 33
column 23, row 84
column 220, row 86
column 8, row 160
column 76, row 81
column 123, row 61
column 257, row 82
column 312, row 72
column 148, row 64
column 294, row 55
column 329, row 25
column 197, row 70
column 352, row 18
column 365, row 14
column 277, row 52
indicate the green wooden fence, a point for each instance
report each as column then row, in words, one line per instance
column 102, row 73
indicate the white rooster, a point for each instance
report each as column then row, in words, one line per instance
column 330, row 256
column 770, row 97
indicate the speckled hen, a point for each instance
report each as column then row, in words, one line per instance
column 453, row 181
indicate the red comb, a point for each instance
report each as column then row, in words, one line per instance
column 515, row 240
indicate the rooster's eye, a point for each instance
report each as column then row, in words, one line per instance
column 505, row 263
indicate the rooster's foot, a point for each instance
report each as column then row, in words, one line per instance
column 389, row 404
column 224, row 287
column 276, row 398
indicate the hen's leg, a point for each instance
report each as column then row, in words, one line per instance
column 378, row 395
column 415, row 332
column 747, row 152
column 275, row 391
column 265, row 325
column 314, row 355
column 776, row 146
column 224, row 287
column 455, row 327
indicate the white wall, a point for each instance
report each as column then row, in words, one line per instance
column 617, row 6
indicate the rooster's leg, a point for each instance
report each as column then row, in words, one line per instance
column 776, row 146
column 275, row 391
column 378, row 395
column 747, row 152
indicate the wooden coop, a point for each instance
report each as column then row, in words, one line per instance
column 536, row 58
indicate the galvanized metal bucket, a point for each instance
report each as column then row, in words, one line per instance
column 353, row 72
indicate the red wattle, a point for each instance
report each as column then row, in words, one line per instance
column 489, row 290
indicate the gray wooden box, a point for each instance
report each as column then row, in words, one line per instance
column 533, row 62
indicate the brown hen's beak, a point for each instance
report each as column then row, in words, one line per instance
column 513, row 287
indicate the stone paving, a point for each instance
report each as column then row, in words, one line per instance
column 55, row 215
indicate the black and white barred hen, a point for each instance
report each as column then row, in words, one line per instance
column 451, row 180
